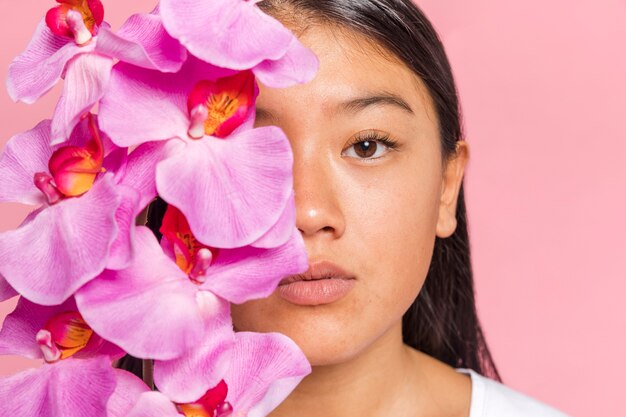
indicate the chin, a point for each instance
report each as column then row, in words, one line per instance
column 327, row 334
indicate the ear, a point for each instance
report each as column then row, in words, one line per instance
column 451, row 185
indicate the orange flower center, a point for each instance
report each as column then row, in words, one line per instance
column 63, row 335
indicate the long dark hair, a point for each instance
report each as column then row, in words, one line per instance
column 442, row 321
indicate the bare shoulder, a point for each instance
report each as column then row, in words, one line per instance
column 450, row 391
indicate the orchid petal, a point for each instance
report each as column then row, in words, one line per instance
column 116, row 163
column 247, row 273
column 140, row 172
column 153, row 404
column 187, row 378
column 298, row 66
column 128, row 389
column 143, row 41
column 282, row 230
column 41, row 65
column 153, row 100
column 70, row 241
column 24, row 155
column 119, row 305
column 69, row 388
column 20, row 328
column 228, row 181
column 230, row 34
column 122, row 249
column 29, row 153
column 6, row 291
column 137, row 96
column 265, row 369
column 86, row 79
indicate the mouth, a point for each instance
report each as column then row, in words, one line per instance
column 323, row 283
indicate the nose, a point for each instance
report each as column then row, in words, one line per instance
column 317, row 196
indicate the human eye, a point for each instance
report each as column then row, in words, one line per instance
column 370, row 145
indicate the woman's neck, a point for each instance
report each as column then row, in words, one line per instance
column 380, row 381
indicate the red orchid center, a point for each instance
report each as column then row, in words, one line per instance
column 192, row 257
column 73, row 169
column 76, row 19
column 216, row 108
column 63, row 335
column 212, row 404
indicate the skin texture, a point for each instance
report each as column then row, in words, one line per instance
column 376, row 218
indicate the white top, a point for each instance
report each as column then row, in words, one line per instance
column 491, row 398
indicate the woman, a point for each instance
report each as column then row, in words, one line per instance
column 386, row 313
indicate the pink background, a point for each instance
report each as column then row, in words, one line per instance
column 543, row 89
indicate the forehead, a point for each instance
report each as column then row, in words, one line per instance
column 351, row 65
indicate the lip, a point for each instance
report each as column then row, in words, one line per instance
column 323, row 283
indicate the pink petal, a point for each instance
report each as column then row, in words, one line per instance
column 282, row 230
column 231, row 191
column 20, row 327
column 69, row 388
column 70, row 241
column 187, row 378
column 122, row 249
column 41, row 65
column 116, row 163
column 152, row 100
column 153, row 404
column 120, row 305
column 6, row 291
column 265, row 369
column 143, row 41
column 155, row 101
column 248, row 273
column 128, row 389
column 28, row 153
column 24, row 155
column 86, row 79
column 298, row 66
column 140, row 170
column 228, row 33
column 18, row 334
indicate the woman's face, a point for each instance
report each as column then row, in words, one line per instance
column 372, row 210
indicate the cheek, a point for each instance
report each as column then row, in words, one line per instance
column 390, row 230
column 393, row 228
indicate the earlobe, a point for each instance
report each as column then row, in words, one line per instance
column 451, row 185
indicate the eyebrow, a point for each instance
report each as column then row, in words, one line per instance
column 360, row 103
column 356, row 105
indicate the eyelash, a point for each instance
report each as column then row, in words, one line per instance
column 374, row 137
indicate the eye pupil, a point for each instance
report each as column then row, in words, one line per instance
column 368, row 148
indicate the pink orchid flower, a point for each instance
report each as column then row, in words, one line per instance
column 89, row 192
column 236, row 34
column 262, row 370
column 73, row 42
column 76, row 379
column 232, row 182
column 120, row 305
column 193, row 282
